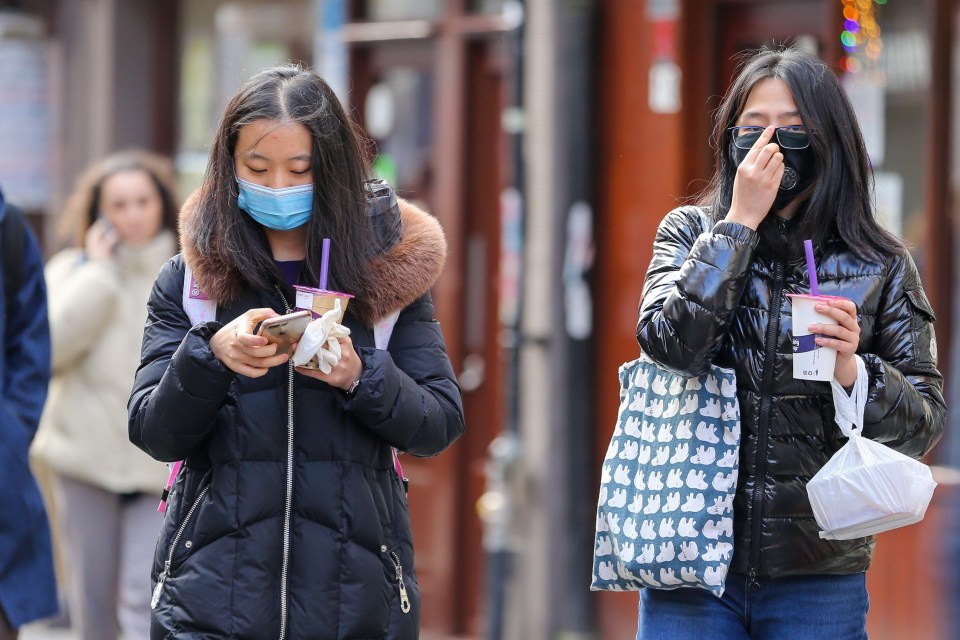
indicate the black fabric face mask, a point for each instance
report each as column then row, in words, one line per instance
column 797, row 174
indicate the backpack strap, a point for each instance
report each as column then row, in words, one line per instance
column 174, row 470
column 382, row 330
column 199, row 307
column 14, row 239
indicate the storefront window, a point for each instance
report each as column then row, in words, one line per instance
column 486, row 6
column 384, row 10
column 892, row 99
column 398, row 113
column 25, row 111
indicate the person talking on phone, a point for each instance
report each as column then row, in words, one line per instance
column 121, row 216
column 288, row 517
column 790, row 165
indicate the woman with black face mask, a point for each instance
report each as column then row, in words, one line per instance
column 790, row 165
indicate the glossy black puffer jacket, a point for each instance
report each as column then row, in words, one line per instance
column 711, row 298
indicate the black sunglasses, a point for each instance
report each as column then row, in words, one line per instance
column 790, row 137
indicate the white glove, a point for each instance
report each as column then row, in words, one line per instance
column 320, row 340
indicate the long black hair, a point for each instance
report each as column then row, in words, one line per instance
column 339, row 164
column 841, row 201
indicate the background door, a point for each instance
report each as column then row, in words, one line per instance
column 432, row 107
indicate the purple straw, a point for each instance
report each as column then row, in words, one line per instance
column 811, row 268
column 324, row 263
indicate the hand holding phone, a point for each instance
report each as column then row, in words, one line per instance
column 240, row 350
column 285, row 330
column 101, row 240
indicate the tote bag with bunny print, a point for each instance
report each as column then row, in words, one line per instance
column 665, row 510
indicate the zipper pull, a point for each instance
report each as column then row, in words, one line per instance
column 404, row 600
column 160, row 580
column 753, row 583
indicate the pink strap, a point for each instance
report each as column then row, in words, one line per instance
column 174, row 469
column 396, row 463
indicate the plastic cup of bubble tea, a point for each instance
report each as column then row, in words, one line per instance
column 320, row 301
column 810, row 360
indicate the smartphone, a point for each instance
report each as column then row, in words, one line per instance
column 108, row 226
column 285, row 330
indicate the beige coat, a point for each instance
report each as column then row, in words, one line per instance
column 97, row 313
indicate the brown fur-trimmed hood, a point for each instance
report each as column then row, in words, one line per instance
column 402, row 275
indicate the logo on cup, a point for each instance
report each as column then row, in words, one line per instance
column 804, row 344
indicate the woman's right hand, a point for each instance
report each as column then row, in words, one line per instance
column 756, row 183
column 100, row 240
column 240, row 350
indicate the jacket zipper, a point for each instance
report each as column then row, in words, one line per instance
column 176, row 539
column 766, row 405
column 404, row 600
column 288, row 504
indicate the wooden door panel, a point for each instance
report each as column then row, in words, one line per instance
column 483, row 403
column 444, row 490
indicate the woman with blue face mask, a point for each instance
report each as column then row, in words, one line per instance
column 288, row 517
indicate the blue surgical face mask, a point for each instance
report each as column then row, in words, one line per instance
column 280, row 209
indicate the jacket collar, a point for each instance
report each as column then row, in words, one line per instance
column 402, row 274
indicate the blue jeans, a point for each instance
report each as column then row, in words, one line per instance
column 820, row 607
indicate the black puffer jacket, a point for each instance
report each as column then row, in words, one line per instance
column 289, row 520
column 709, row 297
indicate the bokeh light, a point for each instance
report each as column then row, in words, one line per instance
column 861, row 35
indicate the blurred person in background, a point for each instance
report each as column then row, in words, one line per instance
column 713, row 294
column 28, row 589
column 122, row 213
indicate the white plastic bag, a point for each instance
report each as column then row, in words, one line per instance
column 866, row 487
column 318, row 347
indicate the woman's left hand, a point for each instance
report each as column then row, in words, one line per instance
column 844, row 337
column 347, row 371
